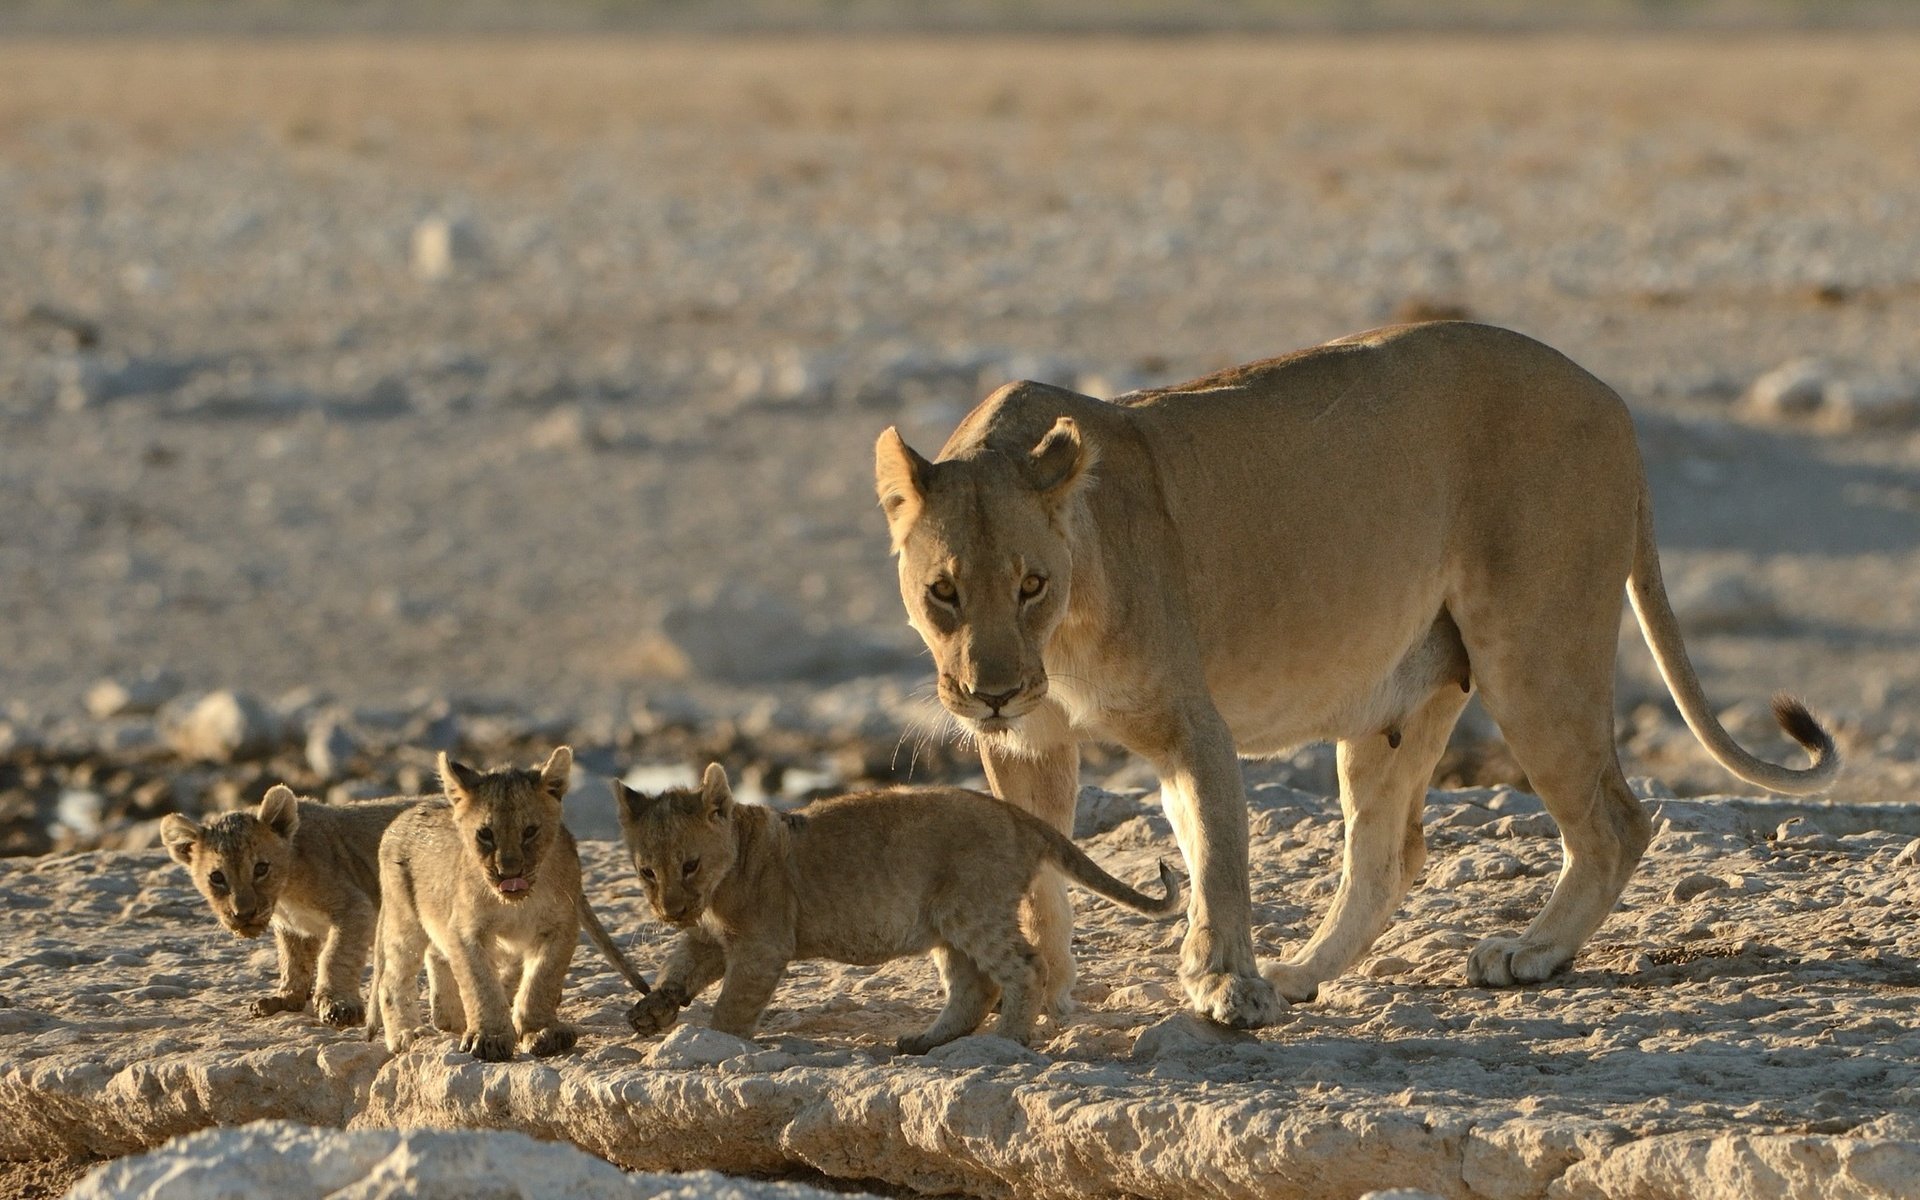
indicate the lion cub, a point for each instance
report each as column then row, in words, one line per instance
column 489, row 880
column 862, row 878
column 309, row 870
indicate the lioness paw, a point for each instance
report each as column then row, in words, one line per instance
column 1506, row 961
column 656, row 1013
column 267, row 1006
column 1236, row 1001
column 488, row 1047
column 555, row 1039
column 1295, row 984
column 341, row 1014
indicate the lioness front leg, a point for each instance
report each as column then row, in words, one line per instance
column 1046, row 782
column 1206, row 803
column 696, row 960
column 298, row 956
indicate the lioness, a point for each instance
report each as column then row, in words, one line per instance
column 861, row 878
column 1334, row 545
column 489, row 881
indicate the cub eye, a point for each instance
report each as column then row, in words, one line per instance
column 529, row 834
column 484, row 837
column 943, row 591
column 218, row 879
column 260, row 870
column 1032, row 586
column 689, row 867
column 646, row 873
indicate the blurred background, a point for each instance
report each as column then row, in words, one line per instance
column 378, row 377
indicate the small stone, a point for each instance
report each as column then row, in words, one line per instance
column 81, row 810
column 1793, row 389
column 1910, row 856
column 1857, row 404
column 697, row 1046
column 1388, row 966
column 1185, row 1033
column 139, row 696
column 1099, row 810
column 221, row 727
column 1647, row 788
column 330, row 746
column 1697, row 884
column 981, row 1050
column 442, row 245
column 1402, row 1194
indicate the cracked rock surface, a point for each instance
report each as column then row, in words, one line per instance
column 1752, row 1038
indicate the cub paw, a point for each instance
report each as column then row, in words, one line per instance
column 1506, row 961
column 1293, row 983
column 555, row 1039
column 341, row 1014
column 488, row 1047
column 1236, row 1001
column 399, row 1041
column 267, row 1006
column 653, row 1014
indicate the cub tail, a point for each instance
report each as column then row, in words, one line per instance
column 604, row 941
column 1071, row 859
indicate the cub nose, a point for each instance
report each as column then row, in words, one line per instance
column 996, row 700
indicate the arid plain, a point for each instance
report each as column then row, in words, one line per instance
column 491, row 392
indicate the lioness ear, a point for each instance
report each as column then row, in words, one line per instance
column 280, row 810
column 1060, row 460
column 556, row 772
column 457, row 779
column 716, row 792
column 900, row 478
column 179, row 836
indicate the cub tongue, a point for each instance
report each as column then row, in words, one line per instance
column 515, row 883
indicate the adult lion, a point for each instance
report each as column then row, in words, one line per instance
column 1338, row 544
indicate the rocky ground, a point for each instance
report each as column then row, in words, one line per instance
column 360, row 399
column 1741, row 1027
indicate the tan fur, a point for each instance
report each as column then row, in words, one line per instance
column 858, row 879
column 489, row 880
column 1334, row 545
column 307, row 870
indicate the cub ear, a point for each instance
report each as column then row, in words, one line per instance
column 1060, row 460
column 179, row 836
column 715, row 792
column 457, row 779
column 280, row 810
column 900, row 478
column 557, row 771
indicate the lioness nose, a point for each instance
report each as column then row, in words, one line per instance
column 995, row 700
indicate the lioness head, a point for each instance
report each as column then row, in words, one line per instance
column 985, row 564
column 508, row 819
column 239, row 860
column 682, row 843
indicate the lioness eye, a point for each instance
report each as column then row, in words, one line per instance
column 690, row 866
column 1032, row 586
column 260, row 870
column 219, row 880
column 484, row 837
column 943, row 591
column 646, row 873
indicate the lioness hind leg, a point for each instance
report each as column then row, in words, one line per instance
column 969, row 995
column 1547, row 680
column 1381, row 790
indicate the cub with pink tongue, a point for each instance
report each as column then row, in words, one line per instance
column 458, row 877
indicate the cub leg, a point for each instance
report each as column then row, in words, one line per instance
column 343, row 958
column 443, row 995
column 536, row 1012
column 298, row 956
column 1046, row 784
column 402, row 945
column 970, row 994
column 1002, row 953
column 1206, row 802
column 696, row 960
column 489, row 1022
column 1381, row 791
column 753, row 972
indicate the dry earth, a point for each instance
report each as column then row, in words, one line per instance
column 1743, row 1027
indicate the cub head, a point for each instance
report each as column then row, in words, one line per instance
column 985, row 564
column 239, row 860
column 682, row 843
column 507, row 820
